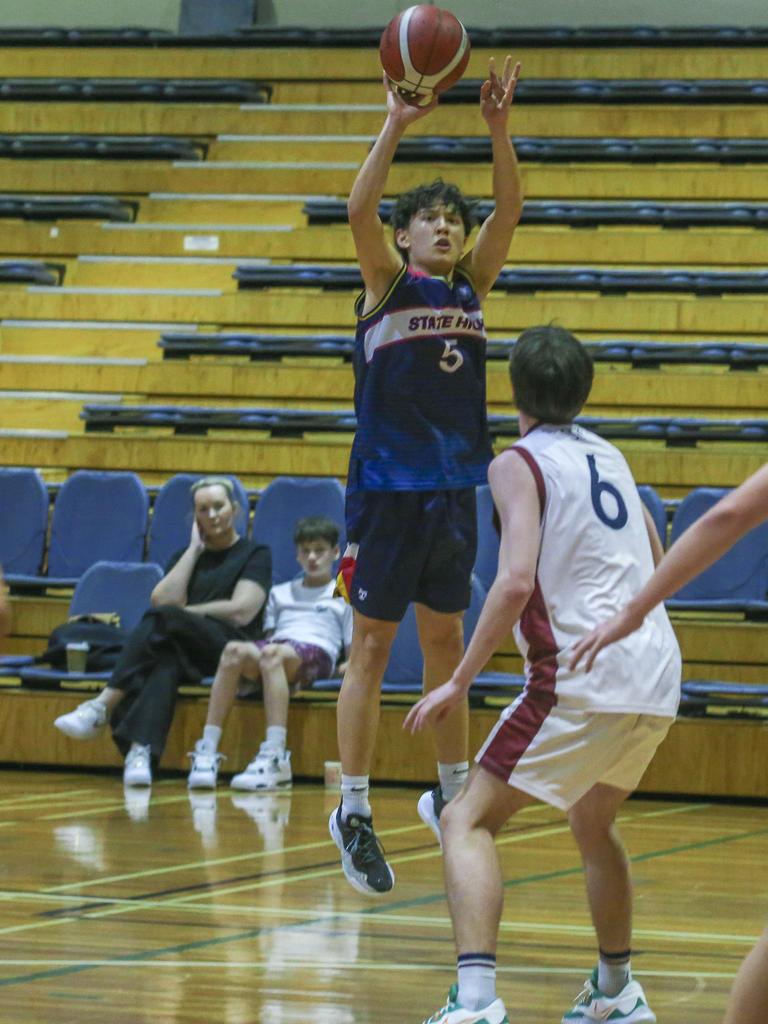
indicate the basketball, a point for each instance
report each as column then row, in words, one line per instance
column 424, row 50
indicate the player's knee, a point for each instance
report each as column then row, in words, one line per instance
column 592, row 830
column 454, row 820
column 370, row 647
column 443, row 634
column 271, row 656
column 235, row 654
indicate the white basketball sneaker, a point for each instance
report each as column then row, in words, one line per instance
column 138, row 766
column 270, row 769
column 205, row 767
column 628, row 1007
column 85, row 722
column 454, row 1013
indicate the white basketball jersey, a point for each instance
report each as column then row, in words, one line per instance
column 594, row 555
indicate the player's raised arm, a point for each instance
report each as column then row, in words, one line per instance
column 695, row 550
column 378, row 258
column 492, row 246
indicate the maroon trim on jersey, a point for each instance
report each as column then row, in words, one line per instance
column 516, row 733
column 533, row 465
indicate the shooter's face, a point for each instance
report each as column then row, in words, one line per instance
column 434, row 239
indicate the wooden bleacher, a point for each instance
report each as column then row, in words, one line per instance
column 96, row 335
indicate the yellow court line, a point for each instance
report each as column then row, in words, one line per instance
column 115, row 805
column 359, row 965
column 234, row 859
column 34, row 798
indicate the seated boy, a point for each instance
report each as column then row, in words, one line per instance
column 307, row 627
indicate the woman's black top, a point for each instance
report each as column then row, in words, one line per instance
column 216, row 574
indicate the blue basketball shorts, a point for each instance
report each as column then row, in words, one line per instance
column 413, row 546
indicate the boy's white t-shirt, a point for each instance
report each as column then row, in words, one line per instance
column 309, row 615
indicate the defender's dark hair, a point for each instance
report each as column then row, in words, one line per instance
column 551, row 374
column 423, row 197
column 316, row 528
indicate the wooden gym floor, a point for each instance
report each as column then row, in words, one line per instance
column 232, row 908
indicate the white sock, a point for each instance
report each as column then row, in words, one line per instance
column 211, row 737
column 354, row 796
column 477, row 980
column 276, row 737
column 452, row 777
column 613, row 972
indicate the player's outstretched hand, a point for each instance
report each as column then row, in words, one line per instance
column 607, row 633
column 497, row 93
column 404, row 113
column 434, row 706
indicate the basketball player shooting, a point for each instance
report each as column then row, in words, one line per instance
column 421, row 448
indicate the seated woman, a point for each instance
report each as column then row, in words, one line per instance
column 308, row 628
column 213, row 593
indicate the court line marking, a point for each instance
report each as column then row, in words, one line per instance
column 419, row 920
column 154, row 955
column 200, row 899
column 359, row 965
column 34, row 798
column 203, row 864
column 302, row 847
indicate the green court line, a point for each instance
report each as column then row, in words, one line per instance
column 408, row 920
column 131, row 906
column 323, row 918
column 358, row 965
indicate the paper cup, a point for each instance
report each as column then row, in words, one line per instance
column 332, row 774
column 77, row 656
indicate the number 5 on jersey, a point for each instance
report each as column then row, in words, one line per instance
column 451, row 358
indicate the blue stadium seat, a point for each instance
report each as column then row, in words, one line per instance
column 171, row 522
column 487, row 558
column 404, row 669
column 24, row 515
column 121, row 587
column 655, row 506
column 97, row 515
column 282, row 503
column 740, row 577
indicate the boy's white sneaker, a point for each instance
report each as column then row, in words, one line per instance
column 138, row 767
column 454, row 1013
column 268, row 770
column 85, row 722
column 205, row 767
column 628, row 1007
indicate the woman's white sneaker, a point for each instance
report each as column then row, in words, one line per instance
column 138, row 766
column 85, row 722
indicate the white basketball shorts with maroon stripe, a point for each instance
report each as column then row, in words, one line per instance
column 557, row 754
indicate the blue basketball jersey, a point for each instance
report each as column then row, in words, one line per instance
column 420, row 388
